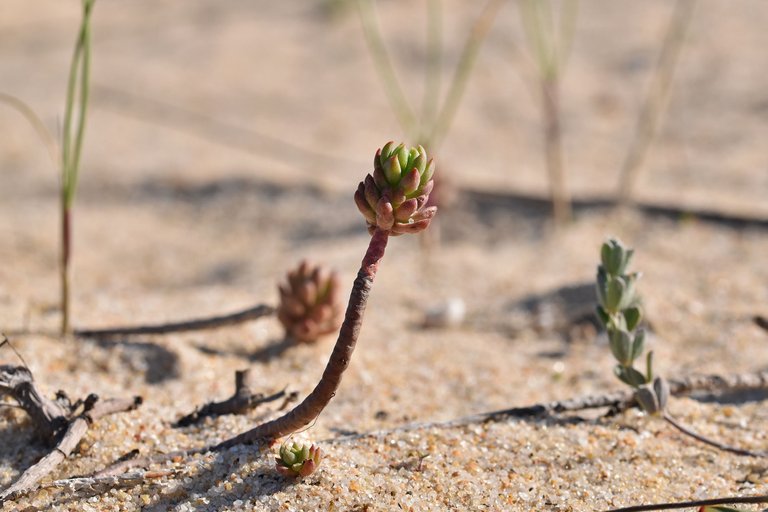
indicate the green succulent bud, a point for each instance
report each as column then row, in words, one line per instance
column 296, row 459
column 394, row 197
column 310, row 306
column 615, row 257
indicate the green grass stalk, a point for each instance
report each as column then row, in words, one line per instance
column 71, row 149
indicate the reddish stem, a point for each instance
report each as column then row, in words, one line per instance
column 66, row 249
column 318, row 399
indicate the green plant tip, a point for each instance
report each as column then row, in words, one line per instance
column 298, row 459
column 615, row 257
column 393, row 198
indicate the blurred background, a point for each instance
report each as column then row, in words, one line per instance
column 200, row 90
column 212, row 123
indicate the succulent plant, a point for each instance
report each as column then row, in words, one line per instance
column 297, row 459
column 394, row 197
column 392, row 200
column 309, row 303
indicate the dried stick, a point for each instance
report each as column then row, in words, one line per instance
column 621, row 400
column 240, row 402
column 214, row 322
column 720, row 446
column 48, row 416
column 618, row 399
column 697, row 503
column 76, row 429
column 119, row 466
column 102, row 484
column 316, row 401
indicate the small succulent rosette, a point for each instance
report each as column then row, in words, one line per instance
column 394, row 198
column 298, row 459
column 309, row 303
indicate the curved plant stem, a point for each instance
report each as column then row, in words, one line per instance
column 319, row 398
column 37, row 124
column 697, row 503
column 467, row 60
column 383, row 64
column 550, row 43
column 432, row 73
column 720, row 446
column 214, row 322
column 658, row 95
column 561, row 202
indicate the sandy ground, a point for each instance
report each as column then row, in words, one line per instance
column 224, row 146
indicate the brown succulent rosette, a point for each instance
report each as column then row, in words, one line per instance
column 309, row 303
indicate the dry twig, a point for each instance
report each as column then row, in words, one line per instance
column 240, row 402
column 59, row 423
column 697, row 503
column 214, row 322
column 720, row 446
column 620, row 400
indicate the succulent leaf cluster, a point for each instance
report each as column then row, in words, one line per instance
column 394, row 198
column 298, row 459
column 619, row 311
column 310, row 306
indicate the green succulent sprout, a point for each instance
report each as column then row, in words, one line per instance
column 619, row 311
column 394, row 197
column 297, row 459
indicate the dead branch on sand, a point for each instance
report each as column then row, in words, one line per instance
column 240, row 402
column 59, row 423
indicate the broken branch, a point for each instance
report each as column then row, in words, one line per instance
column 240, row 402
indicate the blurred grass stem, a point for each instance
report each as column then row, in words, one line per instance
column 657, row 98
column 550, row 41
column 77, row 87
column 433, row 123
column 36, row 123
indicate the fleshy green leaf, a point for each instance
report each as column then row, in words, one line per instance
column 629, row 375
column 632, row 316
column 601, row 286
column 621, row 346
column 638, row 345
column 614, row 293
column 647, row 400
column 602, row 315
